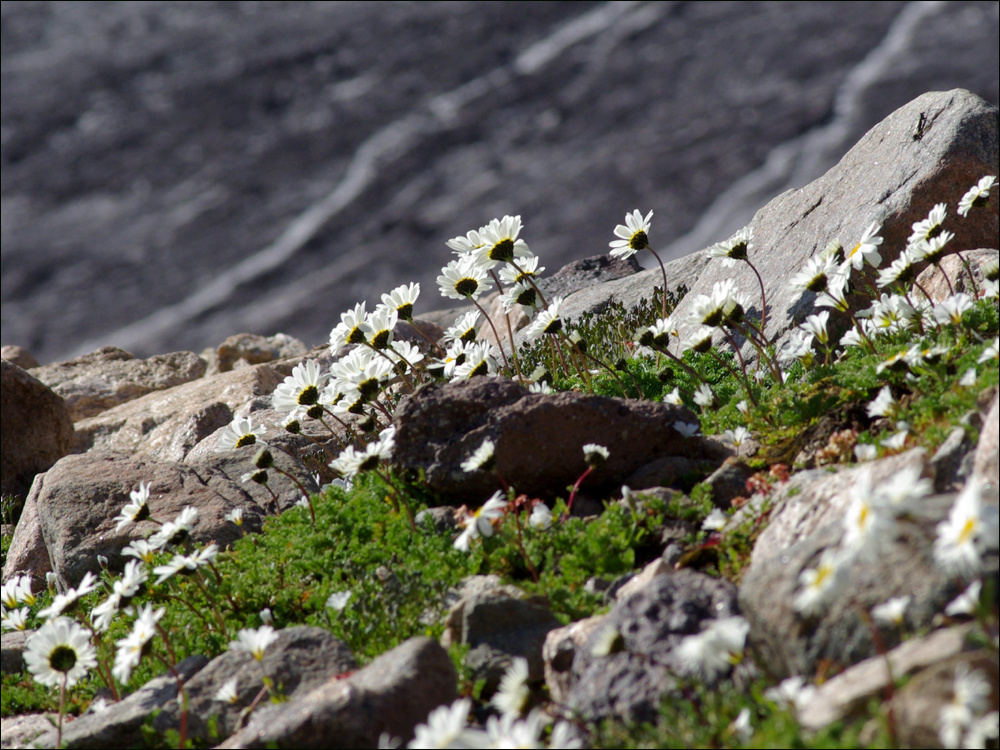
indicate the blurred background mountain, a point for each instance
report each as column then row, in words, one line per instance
column 173, row 173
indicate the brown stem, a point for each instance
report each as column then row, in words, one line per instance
column 663, row 297
column 496, row 335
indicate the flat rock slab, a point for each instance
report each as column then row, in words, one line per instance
column 35, row 429
column 539, row 438
column 110, row 376
column 391, row 695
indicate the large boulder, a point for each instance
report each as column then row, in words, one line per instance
column 79, row 499
column 890, row 177
column 538, row 438
column 35, row 429
column 110, row 376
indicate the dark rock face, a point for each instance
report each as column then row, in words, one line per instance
column 538, row 438
column 35, row 429
column 631, row 683
column 169, row 145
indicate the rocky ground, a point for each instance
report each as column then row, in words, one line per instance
column 173, row 173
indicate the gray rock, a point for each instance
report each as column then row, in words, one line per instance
column 391, row 695
column 121, row 725
column 986, row 464
column 81, row 497
column 728, row 482
column 788, row 643
column 849, row 692
column 631, row 682
column 19, row 356
column 889, row 178
column 538, row 438
column 20, row 731
column 559, row 651
column 166, row 425
column 949, row 459
column 14, row 644
column 499, row 625
column 35, row 429
column 110, row 376
column 442, row 518
column 27, row 553
column 299, row 661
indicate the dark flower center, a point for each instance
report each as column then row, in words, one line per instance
column 467, row 287
column 368, row 388
column 739, row 251
column 356, row 336
column 62, row 658
column 503, row 250
column 314, row 412
column 294, row 427
column 818, row 284
column 381, row 340
column 527, row 297
column 369, row 463
column 646, row 338
column 260, row 477
column 405, row 311
column 703, row 346
column 264, row 459
column 481, row 369
column 554, row 327
column 639, row 241
column 309, row 395
column 248, row 439
column 934, row 231
column 713, row 318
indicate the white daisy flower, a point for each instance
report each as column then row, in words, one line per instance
column 814, row 276
column 733, row 249
column 141, row 550
column 235, row 516
column 65, row 602
column 500, row 243
column 991, row 353
column 976, row 196
column 541, row 517
column 704, row 396
column 238, row 433
column 674, row 397
column 952, row 309
column 929, row 228
column 176, row 531
column 130, row 648
column 883, row 404
column 527, row 268
column 480, row 523
column 254, row 642
column 956, row 549
column 137, row 509
column 793, row 694
column 715, row 520
column 464, row 245
column 353, row 329
column 546, row 321
column 634, row 235
column 687, row 429
column 401, row 299
column 445, row 727
column 464, row 328
column 300, row 389
column 60, row 650
column 866, row 251
column 715, row 650
column 895, row 442
column 15, row 619
column 482, row 458
column 381, row 324
column 513, row 694
column 595, row 455
column 228, row 692
column 820, row 584
column 477, row 360
column 967, row 602
column 463, row 279
column 892, row 611
column 337, row 601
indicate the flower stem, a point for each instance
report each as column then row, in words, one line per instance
column 663, row 297
column 496, row 335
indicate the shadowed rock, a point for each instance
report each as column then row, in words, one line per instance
column 538, row 438
column 35, row 429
